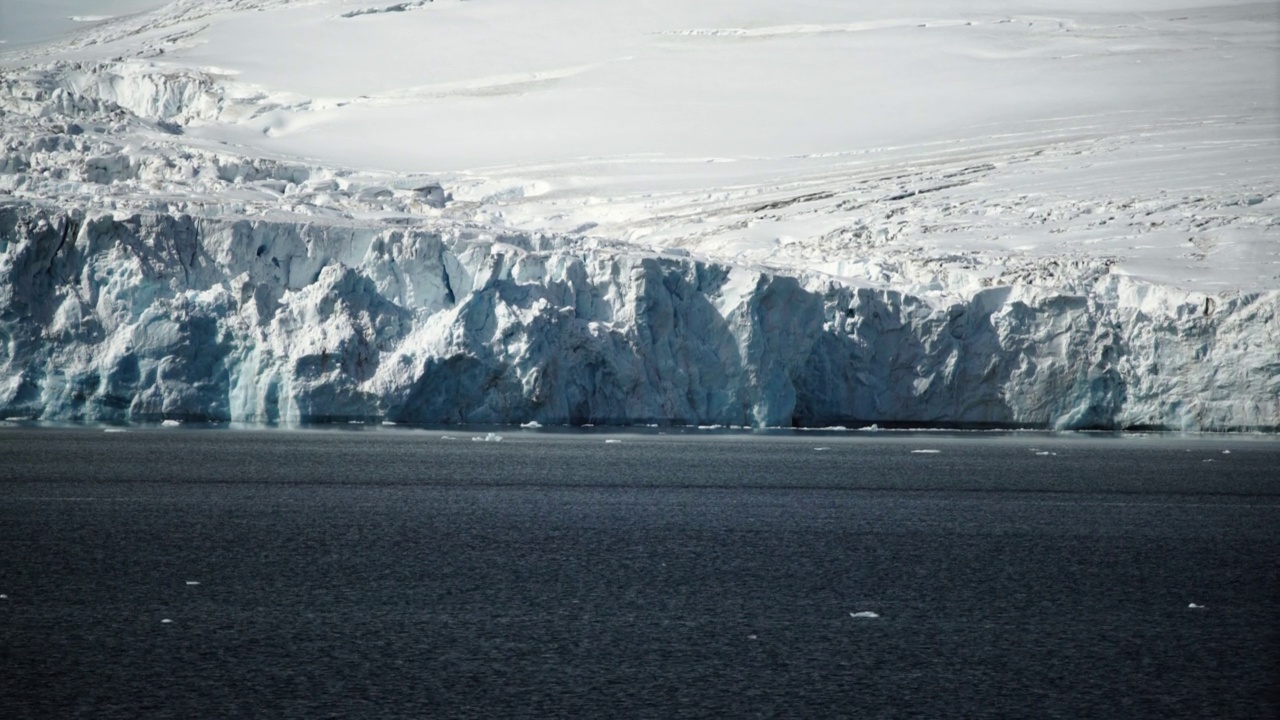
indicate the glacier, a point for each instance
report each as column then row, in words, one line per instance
column 171, row 248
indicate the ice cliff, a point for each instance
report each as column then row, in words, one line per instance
column 153, row 316
column 150, row 271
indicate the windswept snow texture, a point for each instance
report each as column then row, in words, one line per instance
column 716, row 213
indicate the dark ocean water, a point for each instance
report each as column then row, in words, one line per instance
column 398, row 574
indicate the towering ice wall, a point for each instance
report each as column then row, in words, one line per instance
column 170, row 315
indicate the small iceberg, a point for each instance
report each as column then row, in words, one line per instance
column 388, row 422
column 864, row 614
column 821, row 449
column 115, row 430
column 611, row 441
column 1194, row 606
column 171, row 423
column 531, row 425
column 925, row 452
column 193, row 582
column 491, row 437
column 166, row 621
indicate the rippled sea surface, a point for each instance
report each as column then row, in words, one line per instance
column 396, row 573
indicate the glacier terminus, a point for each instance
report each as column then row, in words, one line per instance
column 734, row 213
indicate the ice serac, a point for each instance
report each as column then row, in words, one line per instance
column 155, row 316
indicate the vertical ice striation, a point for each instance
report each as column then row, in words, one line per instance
column 154, row 316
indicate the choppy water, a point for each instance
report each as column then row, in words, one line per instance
column 399, row 574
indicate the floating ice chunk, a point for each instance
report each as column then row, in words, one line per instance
column 1226, row 452
column 4, row 597
column 1207, row 460
column 166, row 621
column 821, row 449
column 448, row 437
column 752, row 637
column 925, row 452
column 114, row 430
column 193, row 582
column 16, row 418
column 1194, row 606
column 864, row 614
column 871, row 428
column 531, row 425
column 611, row 441
column 171, row 423
column 491, row 437
column 1044, row 453
column 355, row 422
column 388, row 422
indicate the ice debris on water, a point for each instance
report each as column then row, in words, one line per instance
column 115, row 430
column 1226, row 452
column 1194, row 606
column 4, row 597
column 531, row 425
column 171, row 423
column 193, row 582
column 821, row 449
column 925, row 452
column 864, row 614
column 166, row 621
column 388, row 422
column 491, row 437
column 611, row 441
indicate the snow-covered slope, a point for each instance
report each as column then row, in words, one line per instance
column 743, row 213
